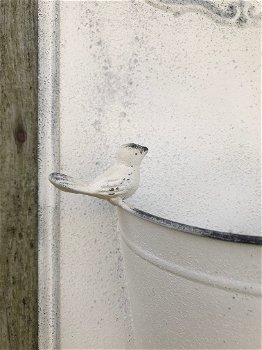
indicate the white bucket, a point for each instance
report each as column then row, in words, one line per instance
column 190, row 291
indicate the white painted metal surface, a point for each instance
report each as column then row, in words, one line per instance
column 189, row 291
column 82, row 292
column 49, row 159
column 188, row 87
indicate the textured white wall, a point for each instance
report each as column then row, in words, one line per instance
column 188, row 88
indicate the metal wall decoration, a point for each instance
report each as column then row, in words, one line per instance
column 239, row 13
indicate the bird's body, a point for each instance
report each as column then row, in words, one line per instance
column 118, row 182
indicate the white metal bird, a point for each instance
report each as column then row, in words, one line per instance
column 118, row 182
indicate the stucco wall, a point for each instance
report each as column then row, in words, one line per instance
column 186, row 86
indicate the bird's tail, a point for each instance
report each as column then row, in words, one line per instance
column 69, row 184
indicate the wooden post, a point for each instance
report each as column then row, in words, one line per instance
column 18, row 185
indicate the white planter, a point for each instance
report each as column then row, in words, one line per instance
column 188, row 290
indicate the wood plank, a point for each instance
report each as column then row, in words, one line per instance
column 18, row 187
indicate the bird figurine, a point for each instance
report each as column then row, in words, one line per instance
column 117, row 183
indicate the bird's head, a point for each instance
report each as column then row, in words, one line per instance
column 131, row 154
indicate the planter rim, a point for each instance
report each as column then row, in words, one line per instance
column 203, row 232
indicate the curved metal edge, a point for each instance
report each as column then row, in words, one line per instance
column 196, row 276
column 223, row 236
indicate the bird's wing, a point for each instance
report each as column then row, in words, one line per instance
column 108, row 187
column 69, row 184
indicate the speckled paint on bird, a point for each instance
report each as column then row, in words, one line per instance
column 115, row 184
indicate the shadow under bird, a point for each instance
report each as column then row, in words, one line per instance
column 117, row 183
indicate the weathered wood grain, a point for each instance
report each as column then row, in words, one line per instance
column 18, row 185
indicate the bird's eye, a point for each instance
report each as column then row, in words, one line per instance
column 136, row 154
